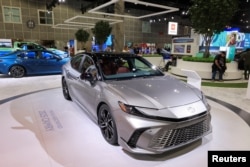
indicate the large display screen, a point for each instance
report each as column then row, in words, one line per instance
column 232, row 41
column 230, row 38
column 109, row 43
column 179, row 48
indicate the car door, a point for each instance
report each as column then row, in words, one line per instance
column 86, row 93
column 34, row 62
column 29, row 60
column 49, row 62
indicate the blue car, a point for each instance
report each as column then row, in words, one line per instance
column 31, row 62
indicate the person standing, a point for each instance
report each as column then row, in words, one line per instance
column 246, row 58
column 136, row 49
column 125, row 49
column 219, row 65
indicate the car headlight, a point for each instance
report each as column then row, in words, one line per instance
column 129, row 109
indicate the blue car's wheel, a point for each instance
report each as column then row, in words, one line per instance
column 107, row 125
column 65, row 90
column 17, row 71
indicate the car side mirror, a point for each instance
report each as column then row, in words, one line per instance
column 89, row 77
column 58, row 58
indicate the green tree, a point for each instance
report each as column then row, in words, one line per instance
column 211, row 16
column 101, row 31
column 82, row 36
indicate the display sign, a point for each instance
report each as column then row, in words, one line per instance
column 183, row 46
column 172, row 28
column 183, row 40
column 5, row 43
column 179, row 48
column 228, row 39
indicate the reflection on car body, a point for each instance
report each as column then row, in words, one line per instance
column 140, row 108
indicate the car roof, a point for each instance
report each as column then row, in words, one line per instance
column 109, row 54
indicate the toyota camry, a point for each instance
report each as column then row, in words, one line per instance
column 134, row 103
column 32, row 62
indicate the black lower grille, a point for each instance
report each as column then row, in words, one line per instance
column 170, row 138
column 134, row 138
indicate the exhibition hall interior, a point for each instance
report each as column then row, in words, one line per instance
column 63, row 102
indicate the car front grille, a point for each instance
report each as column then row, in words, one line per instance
column 174, row 137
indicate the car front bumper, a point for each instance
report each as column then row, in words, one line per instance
column 147, row 136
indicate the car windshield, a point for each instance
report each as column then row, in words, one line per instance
column 127, row 67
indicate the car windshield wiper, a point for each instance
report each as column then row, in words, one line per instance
column 147, row 76
column 123, row 78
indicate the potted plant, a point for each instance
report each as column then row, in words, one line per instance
column 82, row 36
column 101, row 31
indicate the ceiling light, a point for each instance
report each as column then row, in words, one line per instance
column 164, row 9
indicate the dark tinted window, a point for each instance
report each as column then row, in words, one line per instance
column 76, row 62
column 126, row 67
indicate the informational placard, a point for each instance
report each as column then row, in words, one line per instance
column 193, row 78
column 183, row 46
column 172, row 28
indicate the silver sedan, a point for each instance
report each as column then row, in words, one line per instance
column 134, row 103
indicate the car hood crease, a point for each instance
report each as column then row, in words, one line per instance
column 159, row 92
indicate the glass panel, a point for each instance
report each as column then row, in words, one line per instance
column 7, row 18
column 6, row 10
column 16, row 19
column 41, row 14
column 45, row 17
column 49, row 15
column 12, row 14
column 42, row 21
column 49, row 21
column 15, row 11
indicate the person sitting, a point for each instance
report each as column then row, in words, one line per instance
column 121, row 68
column 125, row 49
column 219, row 65
column 108, row 67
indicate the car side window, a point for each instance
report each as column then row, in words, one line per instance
column 141, row 66
column 76, row 62
column 87, row 62
column 47, row 55
column 31, row 55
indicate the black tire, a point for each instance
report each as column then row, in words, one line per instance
column 65, row 89
column 17, row 71
column 107, row 125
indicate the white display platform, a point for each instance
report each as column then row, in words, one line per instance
column 44, row 130
column 193, row 78
column 205, row 69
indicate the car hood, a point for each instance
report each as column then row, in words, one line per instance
column 157, row 92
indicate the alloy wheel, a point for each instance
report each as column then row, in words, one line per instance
column 17, row 71
column 107, row 125
column 65, row 90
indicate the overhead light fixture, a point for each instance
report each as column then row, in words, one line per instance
column 85, row 22
column 164, row 9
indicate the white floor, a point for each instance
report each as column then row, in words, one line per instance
column 39, row 128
